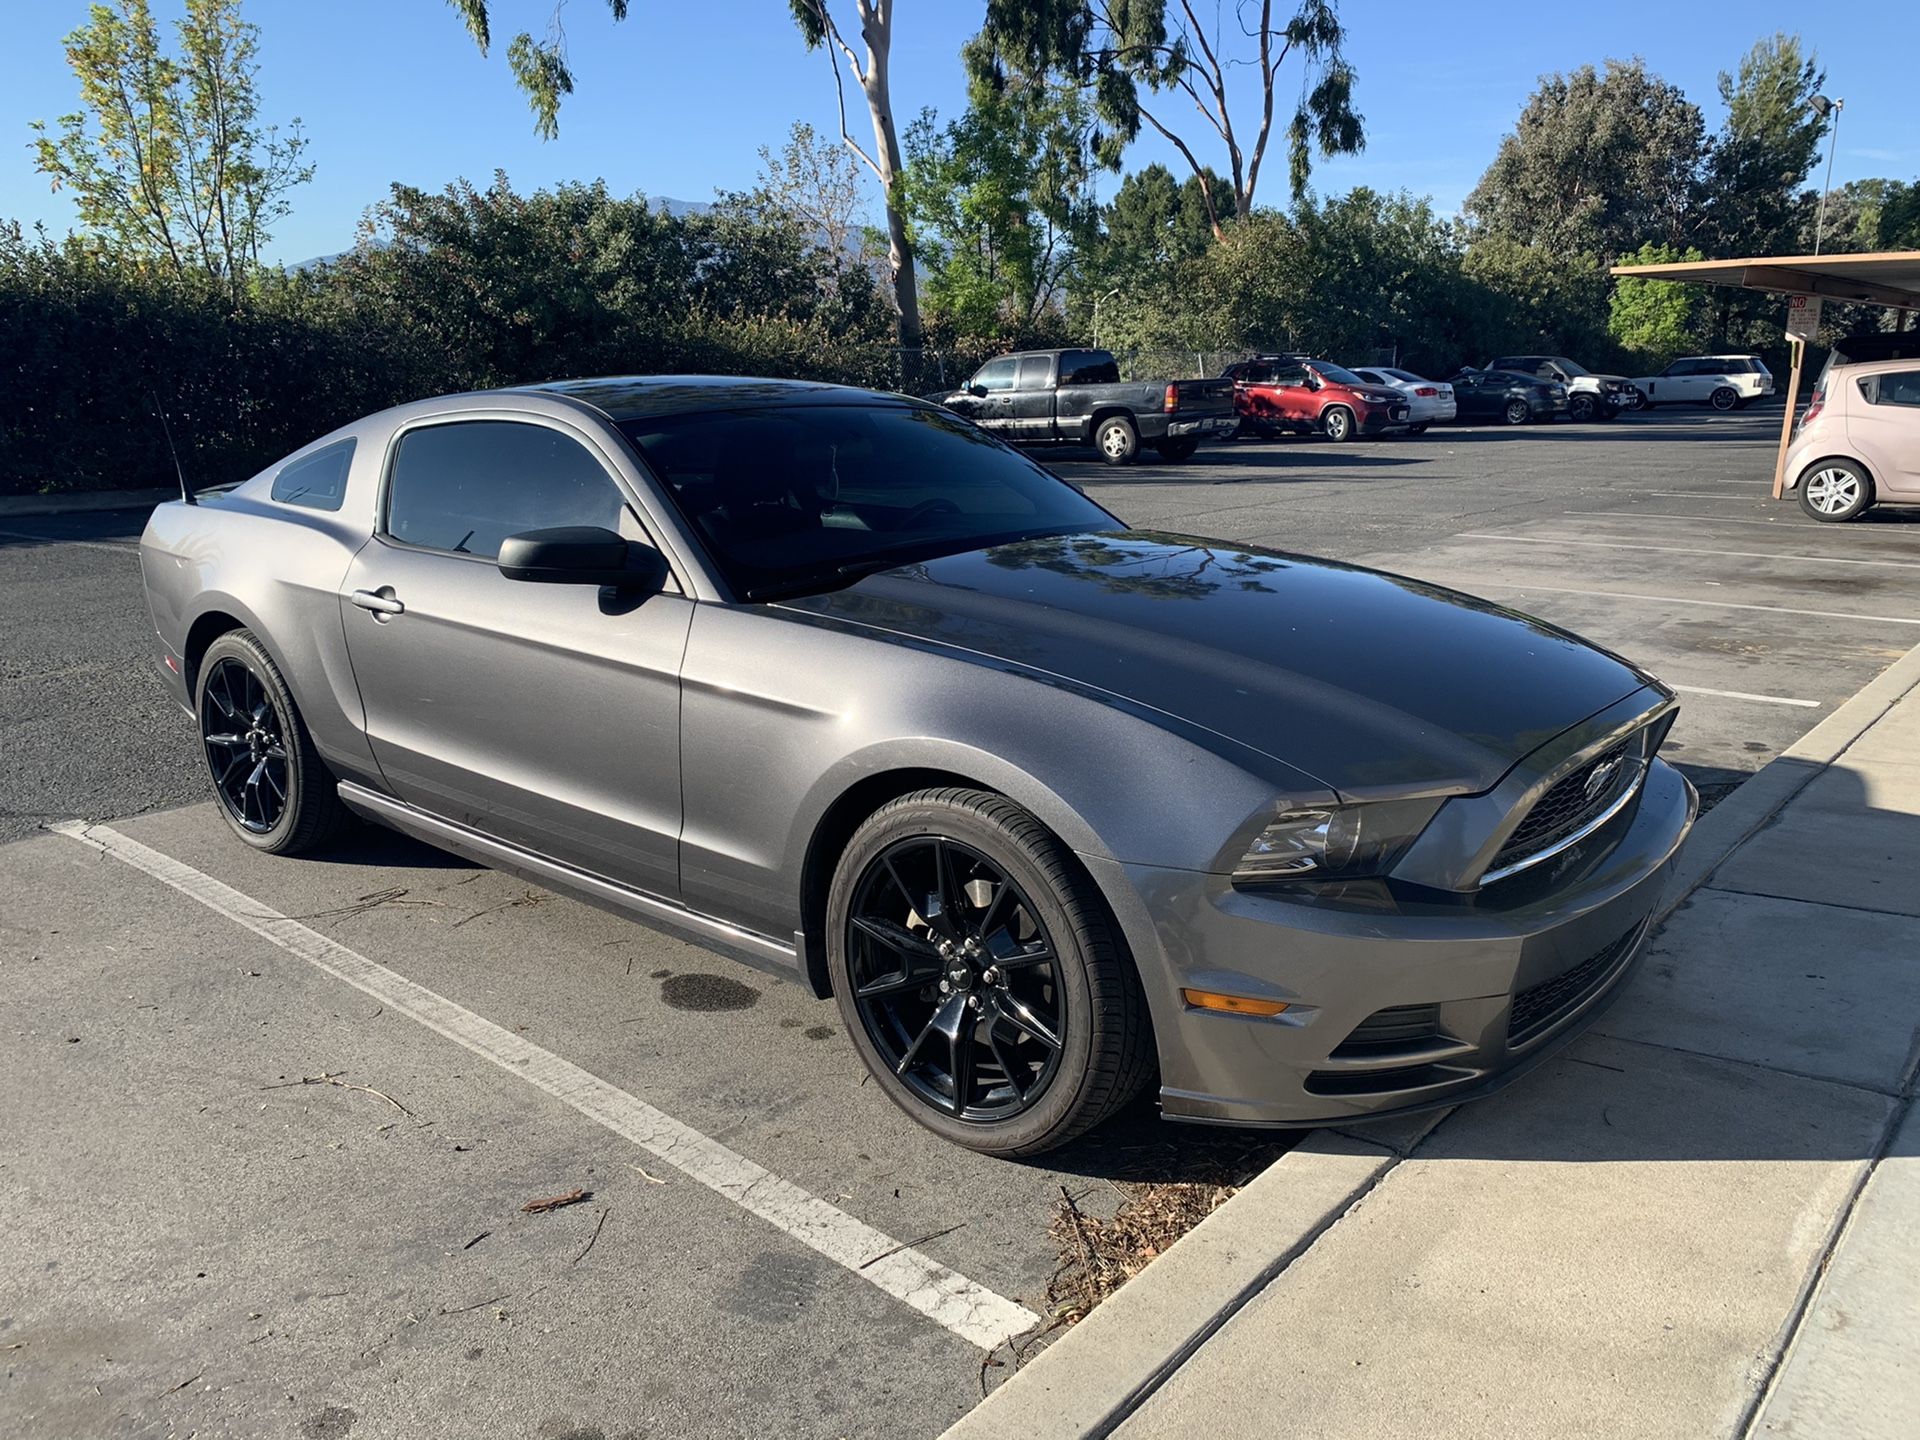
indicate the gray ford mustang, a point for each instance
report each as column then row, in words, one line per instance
column 841, row 685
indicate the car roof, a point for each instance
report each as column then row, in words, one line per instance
column 634, row 397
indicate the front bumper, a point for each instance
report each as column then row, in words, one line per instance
column 1377, row 418
column 1402, row 1005
column 1212, row 427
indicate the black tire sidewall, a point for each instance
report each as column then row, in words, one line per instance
column 1581, row 409
column 1723, row 390
column 244, row 647
column 1341, row 416
column 1866, row 493
column 1053, row 1118
column 1510, row 418
column 1133, row 440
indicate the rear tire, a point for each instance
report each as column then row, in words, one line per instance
column 1338, row 424
column 1834, row 491
column 955, row 1054
column 272, row 788
column 1116, row 440
column 1174, row 451
column 1518, row 412
column 1724, row 398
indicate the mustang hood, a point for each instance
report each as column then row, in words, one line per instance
column 1369, row 682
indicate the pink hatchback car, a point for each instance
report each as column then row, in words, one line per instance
column 1859, row 442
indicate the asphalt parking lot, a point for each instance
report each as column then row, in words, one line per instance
column 273, row 1123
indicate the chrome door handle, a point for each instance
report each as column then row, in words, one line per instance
column 378, row 603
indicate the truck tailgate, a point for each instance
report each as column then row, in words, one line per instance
column 1204, row 397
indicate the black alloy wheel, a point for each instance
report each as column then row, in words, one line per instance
column 979, row 975
column 243, row 733
column 1724, row 398
column 954, row 978
column 1581, row 407
column 274, row 790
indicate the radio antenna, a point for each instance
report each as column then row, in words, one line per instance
column 167, row 430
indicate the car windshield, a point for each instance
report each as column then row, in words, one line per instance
column 796, row 499
column 1334, row 375
column 1570, row 367
column 1406, row 375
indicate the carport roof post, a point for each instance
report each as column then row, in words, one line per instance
column 1882, row 277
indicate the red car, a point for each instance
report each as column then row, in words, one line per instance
column 1275, row 394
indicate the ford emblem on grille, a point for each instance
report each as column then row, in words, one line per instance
column 1602, row 777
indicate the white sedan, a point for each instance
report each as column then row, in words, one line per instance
column 1428, row 401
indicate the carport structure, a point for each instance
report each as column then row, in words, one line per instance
column 1889, row 278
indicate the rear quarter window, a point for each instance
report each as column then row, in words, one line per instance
column 317, row 481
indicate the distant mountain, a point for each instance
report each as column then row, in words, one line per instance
column 664, row 203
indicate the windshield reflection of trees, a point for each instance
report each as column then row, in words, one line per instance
column 1158, row 567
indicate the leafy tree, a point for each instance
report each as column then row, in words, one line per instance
column 1600, row 163
column 540, row 67
column 817, row 182
column 166, row 157
column 1535, row 300
column 1139, row 59
column 996, row 201
column 1654, row 319
column 1154, row 218
column 1756, row 201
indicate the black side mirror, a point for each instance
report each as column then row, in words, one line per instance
column 976, row 391
column 579, row 555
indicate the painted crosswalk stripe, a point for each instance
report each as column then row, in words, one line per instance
column 968, row 1310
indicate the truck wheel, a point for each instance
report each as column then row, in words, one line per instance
column 1724, row 398
column 1338, row 423
column 1174, row 451
column 1116, row 440
column 1580, row 407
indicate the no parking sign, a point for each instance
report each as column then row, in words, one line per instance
column 1803, row 317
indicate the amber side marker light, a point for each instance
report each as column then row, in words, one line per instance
column 1232, row 1004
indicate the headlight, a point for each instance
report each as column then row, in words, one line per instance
column 1343, row 842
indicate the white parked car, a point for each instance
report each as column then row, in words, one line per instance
column 1726, row 382
column 1859, row 442
column 1429, row 402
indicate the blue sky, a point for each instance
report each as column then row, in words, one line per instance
column 677, row 99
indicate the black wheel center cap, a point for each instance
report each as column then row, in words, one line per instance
column 960, row 975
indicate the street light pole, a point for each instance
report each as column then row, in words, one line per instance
column 1824, row 107
column 1098, row 302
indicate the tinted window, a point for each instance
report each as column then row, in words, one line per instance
column 1372, row 377
column 996, row 374
column 1900, row 388
column 789, row 498
column 1089, row 367
column 1334, row 375
column 317, row 481
column 466, row 487
column 1035, row 372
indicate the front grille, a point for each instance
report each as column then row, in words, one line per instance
column 1398, row 1027
column 1539, row 1008
column 1567, row 805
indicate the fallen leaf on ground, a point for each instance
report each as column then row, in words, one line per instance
column 555, row 1202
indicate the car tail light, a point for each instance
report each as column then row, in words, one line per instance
column 1814, row 402
column 1426, row 390
column 1173, row 397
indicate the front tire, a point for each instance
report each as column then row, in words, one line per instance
column 1116, row 440
column 1581, row 408
column 1834, row 491
column 975, row 968
column 1338, row 424
column 1175, row 451
column 273, row 789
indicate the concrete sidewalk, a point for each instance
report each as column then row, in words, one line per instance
column 1701, row 1220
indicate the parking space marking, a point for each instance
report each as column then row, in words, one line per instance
column 968, row 1310
column 1702, row 495
column 1684, row 550
column 1715, row 604
column 1661, row 515
column 128, row 549
column 1745, row 695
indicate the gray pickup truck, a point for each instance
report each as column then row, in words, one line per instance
column 1076, row 397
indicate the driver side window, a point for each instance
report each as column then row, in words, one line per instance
column 997, row 374
column 466, row 486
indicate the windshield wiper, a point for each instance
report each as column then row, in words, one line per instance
column 837, row 579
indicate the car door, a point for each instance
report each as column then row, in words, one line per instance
column 1469, row 397
column 1032, row 400
column 993, row 402
column 544, row 715
column 1883, row 423
column 1681, row 385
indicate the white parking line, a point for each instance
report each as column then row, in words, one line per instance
column 1682, row 550
column 1658, row 515
column 1702, row 495
column 129, row 549
column 1677, row 600
column 944, row 1296
column 1745, row 695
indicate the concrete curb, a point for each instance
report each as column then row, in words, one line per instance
column 1095, row 1376
column 82, row 502
column 1088, row 1382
